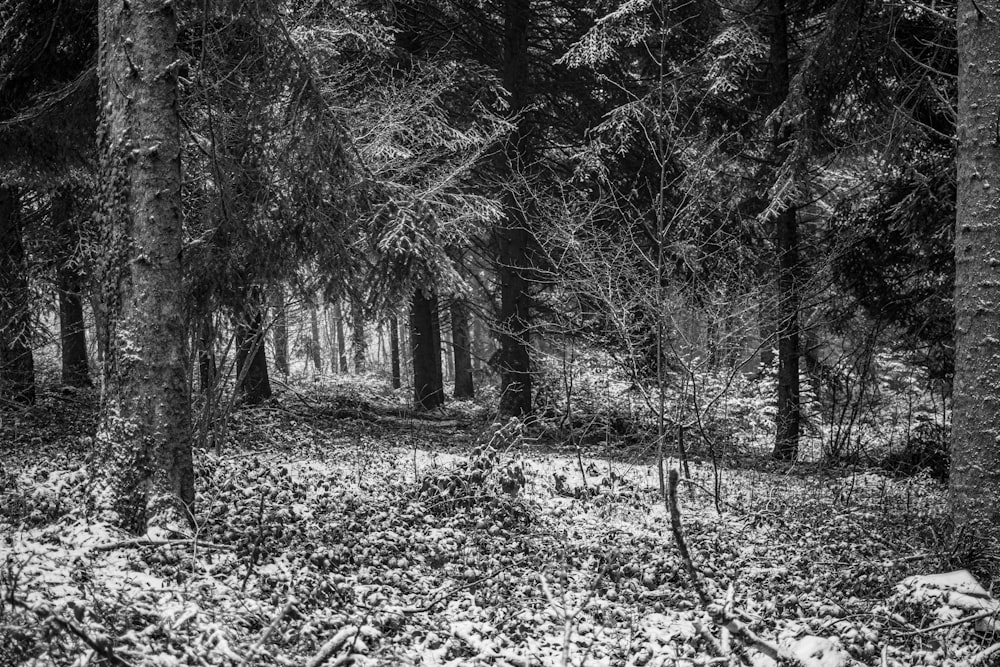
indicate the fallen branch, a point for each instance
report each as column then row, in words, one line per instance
column 333, row 645
column 677, row 529
column 949, row 624
column 985, row 653
column 148, row 542
column 269, row 631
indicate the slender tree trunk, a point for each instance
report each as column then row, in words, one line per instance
column 143, row 469
column 17, row 363
column 69, row 289
column 251, row 356
column 394, row 352
column 480, row 347
column 315, row 346
column 975, row 449
column 405, row 350
column 788, row 416
column 425, row 342
column 512, row 236
column 279, row 329
column 72, row 330
column 359, row 346
column 207, row 368
column 461, row 345
column 338, row 315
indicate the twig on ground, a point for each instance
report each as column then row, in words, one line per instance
column 333, row 645
column 985, row 653
column 676, row 528
column 147, row 542
column 451, row 591
column 949, row 624
column 583, row 473
column 252, row 654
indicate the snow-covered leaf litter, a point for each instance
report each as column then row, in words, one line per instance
column 317, row 546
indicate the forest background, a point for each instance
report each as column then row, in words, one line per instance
column 703, row 231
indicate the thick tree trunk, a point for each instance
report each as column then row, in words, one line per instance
column 975, row 450
column 394, row 352
column 17, row 363
column 425, row 343
column 315, row 345
column 512, row 236
column 69, row 289
column 461, row 346
column 338, row 315
column 251, row 356
column 279, row 329
column 359, row 345
column 143, row 471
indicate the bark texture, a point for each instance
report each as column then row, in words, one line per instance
column 975, row 451
column 251, row 355
column 425, row 343
column 397, row 378
column 787, row 417
column 338, row 316
column 359, row 346
column 143, row 468
column 69, row 288
column 461, row 346
column 315, row 345
column 17, row 363
column 512, row 235
column 279, row 330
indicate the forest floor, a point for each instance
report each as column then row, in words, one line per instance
column 335, row 527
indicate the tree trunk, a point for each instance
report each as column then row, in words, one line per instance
column 394, row 352
column 256, row 385
column 359, row 346
column 207, row 368
column 512, row 236
column 315, row 346
column 788, row 416
column 338, row 315
column 279, row 329
column 143, row 470
column 461, row 347
column 975, row 449
column 69, row 288
column 17, row 363
column 425, row 342
column 72, row 330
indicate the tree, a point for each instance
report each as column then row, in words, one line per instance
column 143, row 470
column 359, row 345
column 70, row 281
column 280, row 329
column 394, row 352
column 251, row 355
column 425, row 341
column 512, row 235
column 461, row 348
column 17, row 364
column 975, row 472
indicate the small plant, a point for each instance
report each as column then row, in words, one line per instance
column 492, row 477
